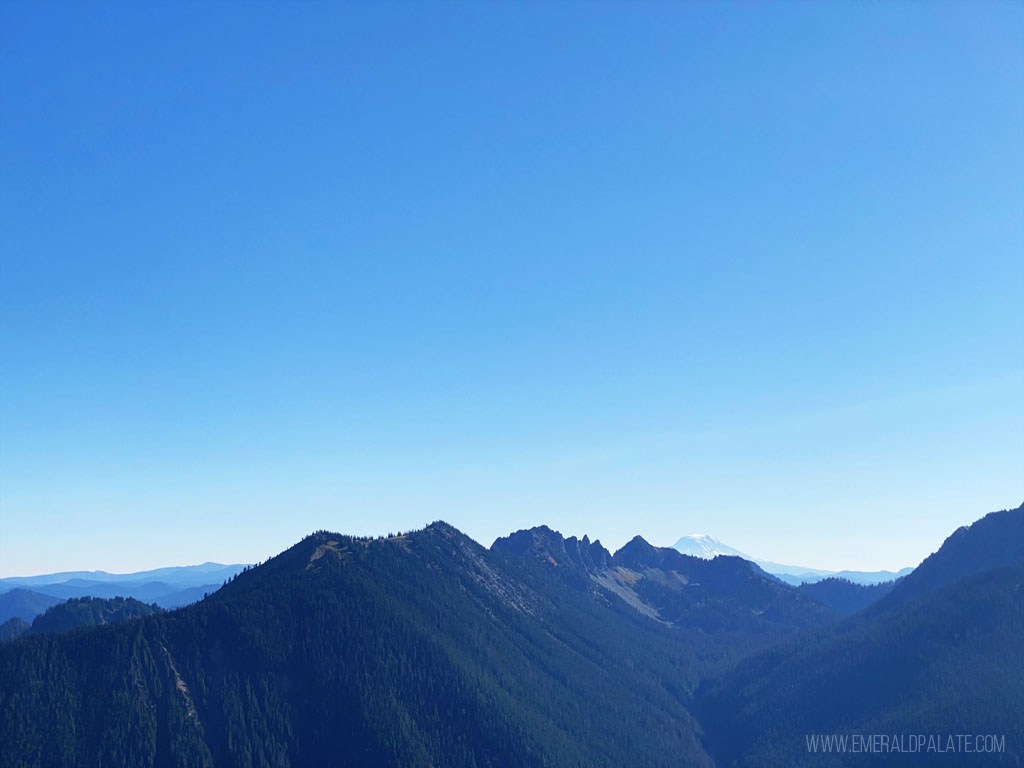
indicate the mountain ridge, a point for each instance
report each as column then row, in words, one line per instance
column 426, row 649
column 935, row 655
column 186, row 575
column 705, row 546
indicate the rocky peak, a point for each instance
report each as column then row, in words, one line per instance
column 550, row 546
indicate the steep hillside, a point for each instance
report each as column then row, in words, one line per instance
column 426, row 649
column 940, row 656
column 726, row 596
column 418, row 650
column 946, row 663
column 994, row 540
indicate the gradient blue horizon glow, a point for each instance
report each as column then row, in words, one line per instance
column 746, row 270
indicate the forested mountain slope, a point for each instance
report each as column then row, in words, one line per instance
column 424, row 649
column 13, row 628
column 994, row 540
column 79, row 612
column 844, row 596
column 940, row 658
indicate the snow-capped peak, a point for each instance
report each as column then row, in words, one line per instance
column 707, row 547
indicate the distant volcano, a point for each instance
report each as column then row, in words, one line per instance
column 708, row 547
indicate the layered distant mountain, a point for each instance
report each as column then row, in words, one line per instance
column 702, row 545
column 24, row 604
column 28, row 596
column 179, row 575
column 426, row 649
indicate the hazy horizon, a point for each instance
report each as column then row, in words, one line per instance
column 804, row 562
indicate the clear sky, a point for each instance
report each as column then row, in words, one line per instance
column 753, row 270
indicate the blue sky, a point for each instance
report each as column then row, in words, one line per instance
column 748, row 270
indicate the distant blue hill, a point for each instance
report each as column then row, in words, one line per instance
column 28, row 596
column 162, row 593
column 178, row 576
column 707, row 547
column 24, row 604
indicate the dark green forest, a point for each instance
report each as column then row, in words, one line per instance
column 13, row 627
column 415, row 650
column 426, row 649
column 844, row 596
column 80, row 612
column 946, row 663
